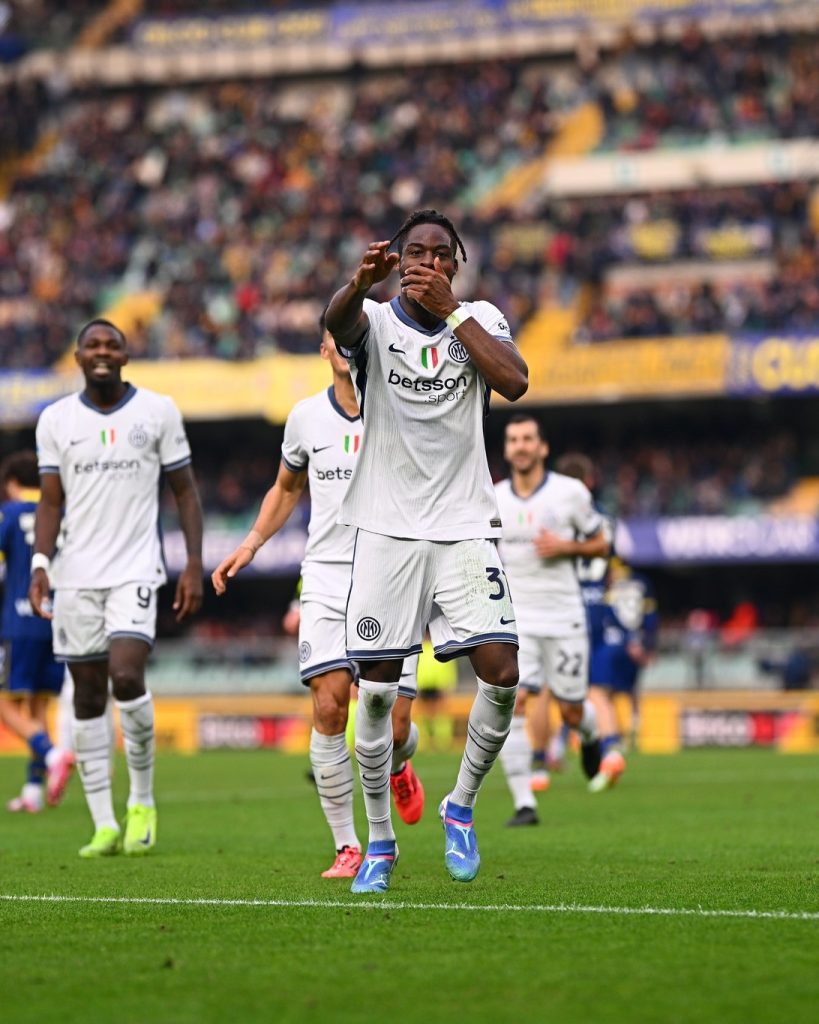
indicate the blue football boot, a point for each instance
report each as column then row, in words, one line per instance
column 461, row 848
column 376, row 868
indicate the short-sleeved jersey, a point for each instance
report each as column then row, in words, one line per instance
column 109, row 463
column 320, row 437
column 546, row 591
column 593, row 576
column 16, row 540
column 422, row 472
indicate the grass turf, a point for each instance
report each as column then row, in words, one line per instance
column 726, row 830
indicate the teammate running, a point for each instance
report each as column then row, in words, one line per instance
column 322, row 440
column 544, row 514
column 102, row 452
column 421, row 498
column 29, row 675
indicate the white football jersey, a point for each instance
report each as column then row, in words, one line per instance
column 422, row 472
column 546, row 592
column 109, row 463
column 320, row 437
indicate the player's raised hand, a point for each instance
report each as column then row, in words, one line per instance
column 38, row 592
column 430, row 287
column 377, row 265
column 228, row 568
column 188, row 597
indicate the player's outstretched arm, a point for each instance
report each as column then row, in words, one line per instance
column 188, row 597
column 501, row 365
column 345, row 317
column 277, row 507
column 46, row 529
column 550, row 545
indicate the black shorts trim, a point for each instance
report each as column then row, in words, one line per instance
column 326, row 666
column 127, row 634
column 388, row 654
column 455, row 648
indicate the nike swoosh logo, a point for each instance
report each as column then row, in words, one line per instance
column 324, row 449
column 79, row 441
column 403, row 351
column 506, row 622
column 147, row 840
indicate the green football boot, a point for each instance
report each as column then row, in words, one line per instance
column 140, row 830
column 105, row 843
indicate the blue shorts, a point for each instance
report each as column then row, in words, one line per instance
column 28, row 666
column 612, row 667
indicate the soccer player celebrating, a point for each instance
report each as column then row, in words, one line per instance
column 322, row 439
column 30, row 674
column 549, row 522
column 101, row 453
column 421, row 498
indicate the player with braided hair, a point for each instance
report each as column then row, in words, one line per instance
column 422, row 500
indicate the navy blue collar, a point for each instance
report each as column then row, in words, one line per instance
column 405, row 318
column 539, row 487
column 130, row 391
column 331, row 394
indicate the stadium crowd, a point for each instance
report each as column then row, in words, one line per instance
column 647, row 478
column 241, row 204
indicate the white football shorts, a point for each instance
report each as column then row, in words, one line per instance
column 559, row 663
column 399, row 586
column 322, row 647
column 85, row 621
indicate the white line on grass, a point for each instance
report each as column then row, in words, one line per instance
column 387, row 904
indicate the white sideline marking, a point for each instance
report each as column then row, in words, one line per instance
column 386, row 904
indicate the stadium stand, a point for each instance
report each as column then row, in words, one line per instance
column 233, row 207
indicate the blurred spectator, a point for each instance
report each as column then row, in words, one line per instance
column 243, row 204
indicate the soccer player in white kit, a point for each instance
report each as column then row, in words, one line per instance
column 422, row 501
column 549, row 521
column 322, row 440
column 101, row 454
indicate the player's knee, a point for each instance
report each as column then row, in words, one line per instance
column 504, row 674
column 127, row 682
column 89, row 703
column 330, row 713
column 572, row 714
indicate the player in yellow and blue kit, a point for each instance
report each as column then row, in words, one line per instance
column 30, row 675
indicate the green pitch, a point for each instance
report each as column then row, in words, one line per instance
column 697, row 832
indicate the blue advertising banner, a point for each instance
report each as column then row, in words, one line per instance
column 354, row 24
column 708, row 540
column 25, row 393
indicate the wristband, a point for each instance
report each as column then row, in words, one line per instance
column 40, row 561
column 253, row 541
column 457, row 317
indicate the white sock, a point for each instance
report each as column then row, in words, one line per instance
column 402, row 754
column 93, row 754
column 486, row 731
column 333, row 772
column 137, row 721
column 588, row 728
column 516, row 758
column 373, row 749
column 65, row 714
